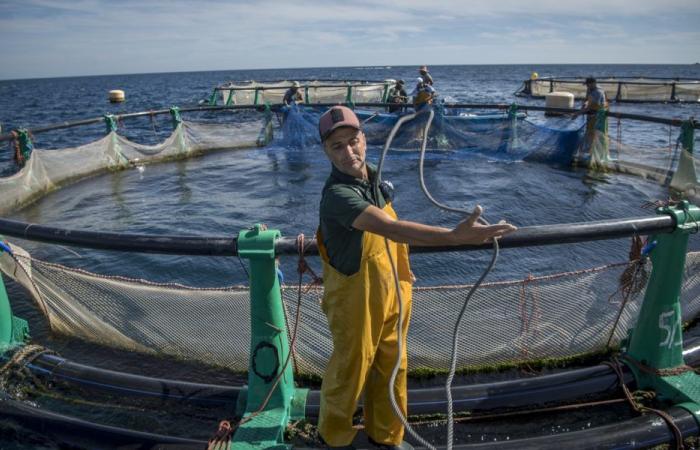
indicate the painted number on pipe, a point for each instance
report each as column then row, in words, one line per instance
column 669, row 323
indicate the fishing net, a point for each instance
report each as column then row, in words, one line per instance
column 509, row 136
column 638, row 89
column 47, row 170
column 258, row 93
column 553, row 316
column 522, row 320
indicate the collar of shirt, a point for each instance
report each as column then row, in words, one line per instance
column 349, row 179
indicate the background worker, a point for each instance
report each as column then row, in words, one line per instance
column 293, row 95
column 427, row 79
column 595, row 141
column 397, row 97
column 423, row 94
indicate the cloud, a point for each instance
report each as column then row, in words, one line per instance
column 97, row 36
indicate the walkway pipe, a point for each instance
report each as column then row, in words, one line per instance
column 498, row 106
column 227, row 246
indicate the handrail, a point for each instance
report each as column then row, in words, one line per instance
column 226, row 246
column 500, row 106
column 625, row 80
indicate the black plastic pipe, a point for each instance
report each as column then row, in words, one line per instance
column 226, row 246
column 499, row 106
column 640, row 432
column 566, row 386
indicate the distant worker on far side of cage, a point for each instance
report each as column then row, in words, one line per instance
column 397, row 97
column 293, row 95
column 425, row 75
column 595, row 141
column 423, row 94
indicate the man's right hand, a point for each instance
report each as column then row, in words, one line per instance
column 471, row 232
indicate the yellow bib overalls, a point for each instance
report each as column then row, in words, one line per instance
column 362, row 311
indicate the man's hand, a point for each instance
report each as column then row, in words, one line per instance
column 471, row 231
column 467, row 232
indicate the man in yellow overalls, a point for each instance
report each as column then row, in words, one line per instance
column 360, row 296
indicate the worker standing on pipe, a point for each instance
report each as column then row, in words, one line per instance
column 360, row 297
column 595, row 141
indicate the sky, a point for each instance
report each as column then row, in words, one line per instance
column 44, row 38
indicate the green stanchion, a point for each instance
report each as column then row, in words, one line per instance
column 655, row 347
column 212, row 98
column 110, row 123
column 26, row 146
column 175, row 116
column 13, row 330
column 385, row 92
column 257, row 95
column 513, row 111
column 265, row 135
column 687, row 136
column 269, row 349
column 306, row 94
column 348, row 97
column 601, row 120
column 685, row 176
column 229, row 99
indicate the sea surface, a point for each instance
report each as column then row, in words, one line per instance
column 221, row 193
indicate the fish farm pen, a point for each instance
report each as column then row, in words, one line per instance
column 618, row 89
column 149, row 339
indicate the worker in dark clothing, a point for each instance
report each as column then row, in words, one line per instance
column 397, row 97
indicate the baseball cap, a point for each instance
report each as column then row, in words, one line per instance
column 336, row 117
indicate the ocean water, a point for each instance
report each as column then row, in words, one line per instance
column 224, row 192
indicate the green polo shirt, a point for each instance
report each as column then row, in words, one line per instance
column 344, row 198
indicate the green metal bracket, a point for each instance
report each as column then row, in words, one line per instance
column 601, row 120
column 513, row 111
column 348, row 97
column 212, row 98
column 656, row 341
column 229, row 99
column 175, row 116
column 306, row 94
column 26, row 146
column 687, row 136
column 13, row 330
column 385, row 92
column 269, row 349
column 685, row 176
column 265, row 135
column 110, row 123
column 257, row 94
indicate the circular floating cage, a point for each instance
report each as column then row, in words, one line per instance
column 569, row 309
column 619, row 89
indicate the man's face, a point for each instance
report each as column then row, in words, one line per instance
column 346, row 148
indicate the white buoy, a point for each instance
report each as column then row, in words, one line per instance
column 558, row 100
column 116, row 96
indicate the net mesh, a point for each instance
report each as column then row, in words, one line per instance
column 257, row 93
column 454, row 134
column 631, row 90
column 48, row 170
column 507, row 322
column 551, row 316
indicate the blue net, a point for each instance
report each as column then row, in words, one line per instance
column 502, row 136
column 299, row 127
